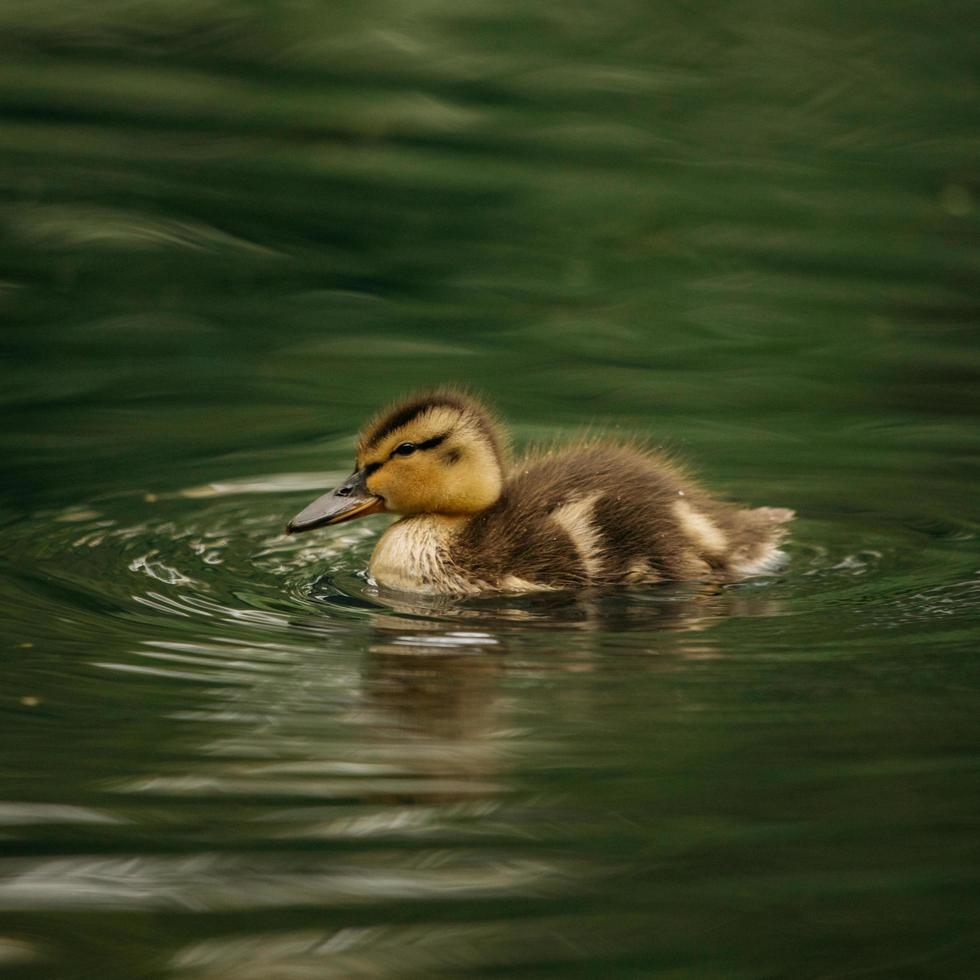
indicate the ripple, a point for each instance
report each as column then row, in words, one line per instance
column 60, row 225
column 32, row 814
column 17, row 952
column 219, row 882
column 397, row 950
column 414, row 822
column 215, row 555
column 160, row 570
column 267, row 784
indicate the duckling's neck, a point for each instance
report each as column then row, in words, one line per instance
column 414, row 555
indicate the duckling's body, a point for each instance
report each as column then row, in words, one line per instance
column 588, row 515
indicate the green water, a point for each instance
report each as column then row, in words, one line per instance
column 230, row 231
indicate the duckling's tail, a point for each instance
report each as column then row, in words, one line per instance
column 760, row 554
column 770, row 515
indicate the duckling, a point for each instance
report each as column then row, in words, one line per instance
column 592, row 514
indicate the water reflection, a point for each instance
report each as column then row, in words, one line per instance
column 424, row 715
column 446, row 691
column 416, row 738
column 383, row 756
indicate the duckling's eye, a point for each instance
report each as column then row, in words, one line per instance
column 405, row 449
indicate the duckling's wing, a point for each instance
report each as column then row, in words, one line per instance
column 605, row 514
column 586, row 515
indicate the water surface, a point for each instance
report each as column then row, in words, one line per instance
column 231, row 231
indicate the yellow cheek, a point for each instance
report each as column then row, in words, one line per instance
column 377, row 484
column 406, row 485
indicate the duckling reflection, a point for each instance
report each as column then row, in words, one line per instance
column 435, row 666
column 432, row 713
column 670, row 607
column 441, row 686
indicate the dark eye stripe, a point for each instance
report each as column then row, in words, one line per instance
column 428, row 444
column 433, row 442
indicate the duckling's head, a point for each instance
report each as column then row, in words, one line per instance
column 434, row 453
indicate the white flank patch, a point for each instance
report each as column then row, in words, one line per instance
column 575, row 519
column 700, row 529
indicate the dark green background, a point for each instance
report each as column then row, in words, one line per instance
column 230, row 232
